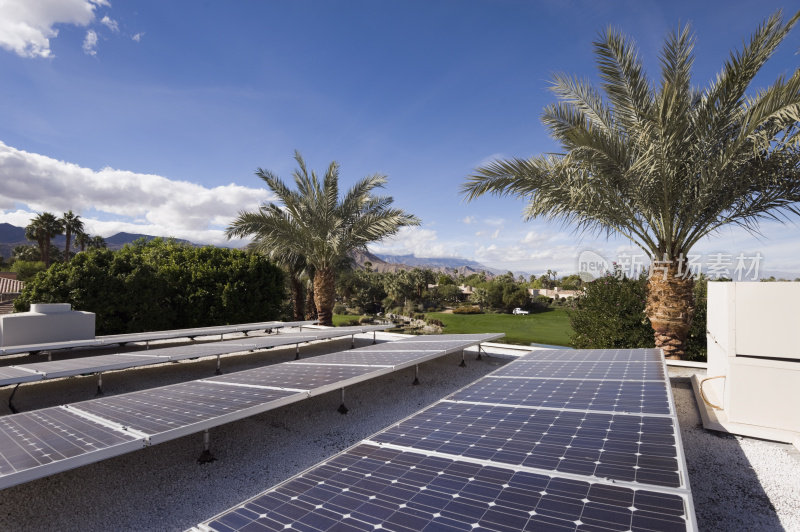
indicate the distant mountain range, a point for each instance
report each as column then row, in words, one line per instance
column 12, row 236
column 381, row 262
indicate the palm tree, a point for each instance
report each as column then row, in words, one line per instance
column 82, row 239
column 97, row 242
column 312, row 222
column 42, row 229
column 73, row 225
column 664, row 165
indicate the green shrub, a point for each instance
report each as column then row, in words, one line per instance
column 339, row 308
column 611, row 315
column 365, row 320
column 26, row 270
column 434, row 322
column 148, row 286
column 468, row 309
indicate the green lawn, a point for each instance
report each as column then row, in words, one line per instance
column 549, row 327
column 340, row 320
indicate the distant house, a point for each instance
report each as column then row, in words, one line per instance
column 554, row 293
column 10, row 288
column 465, row 291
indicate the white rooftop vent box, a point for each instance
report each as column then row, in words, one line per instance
column 752, row 386
column 46, row 322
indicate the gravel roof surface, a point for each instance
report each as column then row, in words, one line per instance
column 737, row 483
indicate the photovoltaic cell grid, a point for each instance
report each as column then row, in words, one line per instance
column 644, row 397
column 297, row 376
column 619, row 447
column 36, row 440
column 505, row 463
column 35, row 444
column 594, row 369
column 367, row 488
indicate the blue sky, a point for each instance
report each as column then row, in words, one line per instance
column 152, row 116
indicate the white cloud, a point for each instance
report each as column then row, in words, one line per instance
column 110, row 23
column 468, row 220
column 495, row 222
column 26, row 26
column 496, row 233
column 166, row 207
column 417, row 241
column 138, row 36
column 90, row 43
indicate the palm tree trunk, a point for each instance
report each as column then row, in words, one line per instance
column 68, row 236
column 670, row 307
column 46, row 252
column 297, row 297
column 324, row 290
column 311, row 308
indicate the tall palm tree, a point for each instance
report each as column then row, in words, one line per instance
column 73, row 225
column 312, row 222
column 665, row 164
column 42, row 229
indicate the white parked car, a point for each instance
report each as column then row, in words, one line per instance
column 520, row 311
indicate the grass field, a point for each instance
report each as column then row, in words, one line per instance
column 549, row 327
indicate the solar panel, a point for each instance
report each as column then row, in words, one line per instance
column 13, row 375
column 170, row 411
column 35, row 444
column 509, row 452
column 480, row 337
column 594, row 369
column 100, row 363
column 148, row 336
column 620, row 447
column 607, row 355
column 316, row 377
column 73, row 366
column 367, row 488
column 88, row 431
column 643, row 397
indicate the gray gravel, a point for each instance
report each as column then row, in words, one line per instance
column 737, row 483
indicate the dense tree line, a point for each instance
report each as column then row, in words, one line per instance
column 422, row 289
column 162, row 285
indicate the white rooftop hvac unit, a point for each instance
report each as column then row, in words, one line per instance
column 752, row 386
column 46, row 322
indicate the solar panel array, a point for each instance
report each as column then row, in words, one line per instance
column 99, row 363
column 43, row 442
column 557, row 440
column 114, row 339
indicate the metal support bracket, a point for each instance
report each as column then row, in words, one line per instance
column 463, row 362
column 99, row 384
column 342, row 409
column 219, row 370
column 11, row 399
column 206, row 457
column 416, row 375
column 297, row 351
